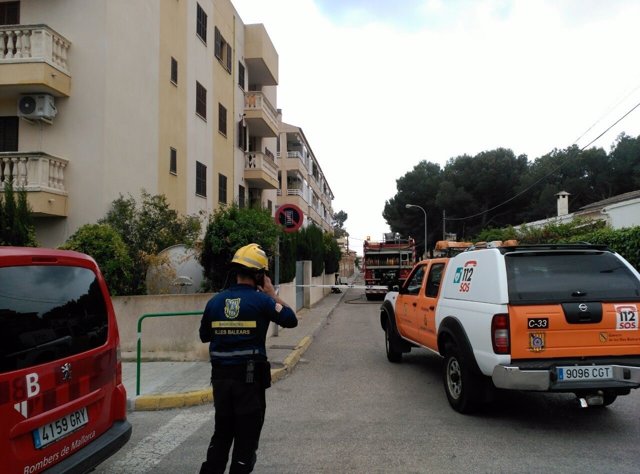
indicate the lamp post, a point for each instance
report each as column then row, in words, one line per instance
column 425, row 225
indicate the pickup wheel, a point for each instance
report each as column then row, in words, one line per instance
column 463, row 388
column 393, row 354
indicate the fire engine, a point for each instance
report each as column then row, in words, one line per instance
column 387, row 263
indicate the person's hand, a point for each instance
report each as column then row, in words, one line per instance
column 267, row 287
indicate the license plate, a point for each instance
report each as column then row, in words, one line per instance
column 55, row 430
column 584, row 372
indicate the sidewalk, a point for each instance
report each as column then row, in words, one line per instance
column 180, row 384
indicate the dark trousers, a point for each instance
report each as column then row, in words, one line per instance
column 239, row 417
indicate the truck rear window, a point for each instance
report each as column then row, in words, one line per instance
column 48, row 313
column 557, row 277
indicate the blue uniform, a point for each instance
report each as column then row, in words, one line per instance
column 235, row 323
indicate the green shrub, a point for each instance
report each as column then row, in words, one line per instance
column 230, row 228
column 105, row 245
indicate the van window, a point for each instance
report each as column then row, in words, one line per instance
column 48, row 313
column 569, row 276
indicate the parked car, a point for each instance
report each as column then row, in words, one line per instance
column 62, row 401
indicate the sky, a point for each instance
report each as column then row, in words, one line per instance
column 378, row 86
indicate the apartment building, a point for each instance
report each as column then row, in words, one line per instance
column 301, row 180
column 104, row 98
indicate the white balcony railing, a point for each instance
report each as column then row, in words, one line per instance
column 33, row 171
column 260, row 161
column 255, row 100
column 33, row 43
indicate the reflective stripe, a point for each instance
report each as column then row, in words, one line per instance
column 234, row 353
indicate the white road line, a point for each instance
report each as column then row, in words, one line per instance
column 152, row 449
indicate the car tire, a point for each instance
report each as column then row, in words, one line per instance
column 393, row 354
column 462, row 386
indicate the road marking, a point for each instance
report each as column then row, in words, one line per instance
column 152, row 449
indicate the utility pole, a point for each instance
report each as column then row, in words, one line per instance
column 444, row 233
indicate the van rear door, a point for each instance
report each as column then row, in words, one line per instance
column 60, row 376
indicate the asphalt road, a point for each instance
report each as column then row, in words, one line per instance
column 346, row 409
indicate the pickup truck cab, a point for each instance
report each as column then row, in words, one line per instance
column 553, row 318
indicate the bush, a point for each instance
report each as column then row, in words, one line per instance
column 288, row 246
column 230, row 228
column 147, row 229
column 105, row 245
column 16, row 222
column 311, row 247
column 332, row 254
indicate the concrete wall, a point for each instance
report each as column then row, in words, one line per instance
column 176, row 337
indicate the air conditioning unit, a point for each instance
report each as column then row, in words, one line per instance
column 37, row 107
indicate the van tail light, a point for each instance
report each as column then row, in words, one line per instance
column 500, row 334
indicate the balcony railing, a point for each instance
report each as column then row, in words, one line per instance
column 261, row 170
column 260, row 161
column 261, row 114
column 33, row 43
column 33, row 171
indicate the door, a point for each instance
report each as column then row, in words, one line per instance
column 426, row 310
column 407, row 303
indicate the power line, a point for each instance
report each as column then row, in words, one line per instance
column 553, row 171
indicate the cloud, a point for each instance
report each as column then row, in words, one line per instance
column 377, row 87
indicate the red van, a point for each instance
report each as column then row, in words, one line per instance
column 62, row 401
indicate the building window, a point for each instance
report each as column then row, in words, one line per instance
column 222, row 119
column 222, row 188
column 173, row 161
column 8, row 135
column 174, row 71
column 270, row 205
column 242, row 135
column 223, row 51
column 241, row 197
column 201, row 179
column 241, row 75
column 201, row 23
column 201, row 100
column 10, row 13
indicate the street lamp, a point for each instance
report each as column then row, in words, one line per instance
column 425, row 225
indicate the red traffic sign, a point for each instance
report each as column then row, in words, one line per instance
column 290, row 217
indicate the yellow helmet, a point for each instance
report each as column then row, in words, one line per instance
column 251, row 256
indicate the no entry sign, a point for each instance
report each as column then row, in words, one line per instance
column 290, row 217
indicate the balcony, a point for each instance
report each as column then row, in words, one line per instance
column 33, row 59
column 261, row 56
column 260, row 170
column 41, row 176
column 260, row 116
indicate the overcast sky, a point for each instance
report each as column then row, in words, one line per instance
column 379, row 85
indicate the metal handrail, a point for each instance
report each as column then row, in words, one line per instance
column 139, row 349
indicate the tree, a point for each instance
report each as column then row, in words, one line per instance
column 16, row 221
column 332, row 254
column 338, row 227
column 105, row 245
column 311, row 247
column 230, row 228
column 148, row 228
column 419, row 187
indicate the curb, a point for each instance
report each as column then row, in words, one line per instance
column 165, row 401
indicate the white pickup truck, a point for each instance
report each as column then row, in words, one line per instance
column 555, row 318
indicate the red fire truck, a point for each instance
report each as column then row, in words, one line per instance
column 387, row 263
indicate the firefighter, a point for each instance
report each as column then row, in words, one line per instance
column 235, row 323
